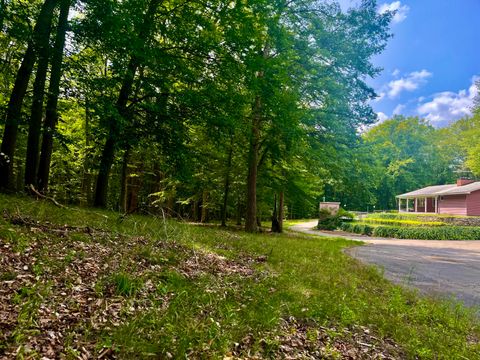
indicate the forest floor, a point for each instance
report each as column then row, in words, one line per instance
column 82, row 283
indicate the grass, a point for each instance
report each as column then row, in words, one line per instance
column 169, row 310
column 287, row 224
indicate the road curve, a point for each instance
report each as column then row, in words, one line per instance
column 445, row 268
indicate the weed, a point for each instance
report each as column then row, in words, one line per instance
column 125, row 285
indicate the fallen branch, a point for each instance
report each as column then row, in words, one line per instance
column 36, row 192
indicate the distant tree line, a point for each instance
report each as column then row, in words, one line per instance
column 238, row 110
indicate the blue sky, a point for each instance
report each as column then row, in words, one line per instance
column 432, row 62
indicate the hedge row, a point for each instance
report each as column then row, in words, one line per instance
column 401, row 222
column 357, row 228
column 410, row 232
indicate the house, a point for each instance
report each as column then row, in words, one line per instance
column 462, row 198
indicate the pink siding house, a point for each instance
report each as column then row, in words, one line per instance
column 462, row 198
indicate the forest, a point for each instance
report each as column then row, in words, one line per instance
column 140, row 138
column 237, row 111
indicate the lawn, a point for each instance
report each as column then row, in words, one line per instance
column 88, row 283
column 287, row 224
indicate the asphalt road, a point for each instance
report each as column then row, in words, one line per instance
column 438, row 268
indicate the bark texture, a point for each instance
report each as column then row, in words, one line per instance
column 9, row 140
column 36, row 113
column 226, row 188
column 251, row 214
column 275, row 222
column 51, row 113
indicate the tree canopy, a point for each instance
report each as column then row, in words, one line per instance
column 218, row 110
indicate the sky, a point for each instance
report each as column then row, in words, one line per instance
column 431, row 64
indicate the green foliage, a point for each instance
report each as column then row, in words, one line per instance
column 429, row 233
column 401, row 222
column 408, row 155
column 124, row 284
column 329, row 221
column 426, row 232
column 357, row 228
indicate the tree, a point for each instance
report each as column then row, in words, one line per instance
column 51, row 115
column 40, row 35
column 409, row 154
column 108, row 153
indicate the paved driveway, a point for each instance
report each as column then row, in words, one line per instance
column 444, row 268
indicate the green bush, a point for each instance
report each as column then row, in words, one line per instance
column 411, row 232
column 401, row 222
column 328, row 221
column 431, row 233
column 345, row 215
column 357, row 228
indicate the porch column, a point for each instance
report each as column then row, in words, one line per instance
column 426, row 204
column 408, row 205
column 399, row 205
column 416, row 205
column 436, row 204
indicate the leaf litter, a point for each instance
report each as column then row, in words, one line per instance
column 57, row 296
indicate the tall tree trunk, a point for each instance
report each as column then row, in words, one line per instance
column 108, row 154
column 275, row 222
column 281, row 212
column 251, row 216
column 9, row 141
column 204, row 218
column 226, row 188
column 3, row 5
column 87, row 178
column 51, row 114
column 239, row 210
column 124, row 181
column 101, row 189
column 35, row 123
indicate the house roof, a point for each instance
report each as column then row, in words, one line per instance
column 442, row 190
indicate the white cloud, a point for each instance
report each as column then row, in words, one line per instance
column 396, row 73
column 382, row 117
column 410, row 82
column 380, row 97
column 398, row 109
column 400, row 10
column 446, row 107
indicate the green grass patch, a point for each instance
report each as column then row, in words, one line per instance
column 287, row 224
column 178, row 306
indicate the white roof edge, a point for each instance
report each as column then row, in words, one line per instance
column 443, row 190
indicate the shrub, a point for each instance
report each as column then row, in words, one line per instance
column 345, row 215
column 431, row 233
column 329, row 221
column 401, row 222
column 411, row 232
column 357, row 228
